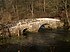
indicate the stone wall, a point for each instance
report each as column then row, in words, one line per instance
column 34, row 24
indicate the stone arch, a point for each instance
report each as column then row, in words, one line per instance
column 42, row 27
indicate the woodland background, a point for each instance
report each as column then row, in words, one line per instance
column 12, row 10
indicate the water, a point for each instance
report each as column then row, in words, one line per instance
column 50, row 41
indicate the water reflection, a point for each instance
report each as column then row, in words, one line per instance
column 58, row 41
column 33, row 48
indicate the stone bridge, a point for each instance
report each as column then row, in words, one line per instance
column 34, row 24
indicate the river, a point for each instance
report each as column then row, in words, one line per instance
column 50, row 41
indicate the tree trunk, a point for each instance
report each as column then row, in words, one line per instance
column 66, row 20
column 17, row 12
column 32, row 10
column 44, row 5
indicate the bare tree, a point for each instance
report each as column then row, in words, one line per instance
column 17, row 12
column 66, row 10
column 44, row 6
column 65, row 18
column 32, row 9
